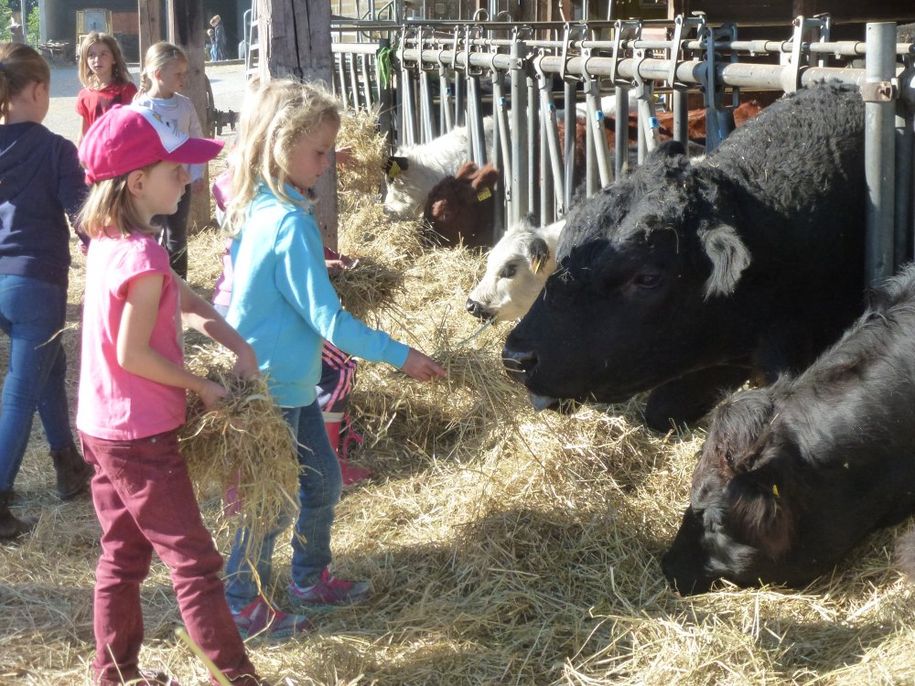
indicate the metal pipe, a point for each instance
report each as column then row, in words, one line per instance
column 425, row 107
column 681, row 117
column 364, row 62
column 446, row 116
column 475, row 114
column 518, row 198
column 533, row 125
column 879, row 131
column 354, row 82
column 902, row 246
column 621, row 154
column 568, row 144
column 340, row 72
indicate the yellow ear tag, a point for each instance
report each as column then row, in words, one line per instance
column 484, row 194
column 775, row 490
column 394, row 170
column 537, row 264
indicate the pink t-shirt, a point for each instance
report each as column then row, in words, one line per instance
column 115, row 404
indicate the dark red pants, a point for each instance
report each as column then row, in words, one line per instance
column 144, row 502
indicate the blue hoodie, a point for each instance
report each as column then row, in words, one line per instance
column 41, row 184
column 284, row 304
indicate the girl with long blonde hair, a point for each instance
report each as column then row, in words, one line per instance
column 283, row 303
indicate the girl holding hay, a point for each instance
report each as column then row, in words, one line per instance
column 41, row 185
column 164, row 71
column 284, row 304
column 132, row 396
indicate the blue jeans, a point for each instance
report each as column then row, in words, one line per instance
column 320, row 485
column 32, row 312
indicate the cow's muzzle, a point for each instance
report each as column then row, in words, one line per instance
column 478, row 310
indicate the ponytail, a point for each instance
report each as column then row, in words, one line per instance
column 20, row 66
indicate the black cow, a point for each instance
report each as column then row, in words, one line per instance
column 686, row 278
column 792, row 476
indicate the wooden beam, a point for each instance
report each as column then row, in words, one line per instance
column 150, row 25
column 295, row 42
column 187, row 29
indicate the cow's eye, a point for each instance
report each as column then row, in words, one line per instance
column 508, row 271
column 647, row 280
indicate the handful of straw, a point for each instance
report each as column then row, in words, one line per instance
column 244, row 444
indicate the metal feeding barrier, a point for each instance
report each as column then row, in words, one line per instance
column 427, row 77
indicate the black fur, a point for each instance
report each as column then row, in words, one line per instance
column 794, row 475
column 752, row 257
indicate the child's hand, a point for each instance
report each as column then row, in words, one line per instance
column 211, row 393
column 422, row 367
column 246, row 364
column 198, row 186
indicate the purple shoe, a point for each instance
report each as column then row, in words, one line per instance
column 257, row 618
column 328, row 590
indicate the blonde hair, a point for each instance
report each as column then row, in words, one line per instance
column 273, row 119
column 119, row 72
column 157, row 56
column 110, row 204
column 20, row 66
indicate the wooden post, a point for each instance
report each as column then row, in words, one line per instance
column 150, row 25
column 295, row 42
column 187, row 30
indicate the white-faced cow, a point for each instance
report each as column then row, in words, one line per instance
column 414, row 169
column 687, row 278
column 794, row 475
column 516, row 269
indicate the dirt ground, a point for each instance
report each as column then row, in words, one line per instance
column 226, row 79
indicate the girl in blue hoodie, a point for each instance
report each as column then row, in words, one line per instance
column 283, row 303
column 41, row 185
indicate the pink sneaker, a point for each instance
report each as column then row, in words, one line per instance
column 257, row 618
column 329, row 590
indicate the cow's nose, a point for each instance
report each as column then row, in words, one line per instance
column 477, row 310
column 518, row 362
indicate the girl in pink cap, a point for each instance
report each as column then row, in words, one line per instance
column 132, row 396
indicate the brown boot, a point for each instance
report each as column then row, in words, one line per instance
column 10, row 526
column 73, row 474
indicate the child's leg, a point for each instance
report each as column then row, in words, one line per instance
column 73, row 473
column 31, row 313
column 319, row 491
column 122, row 566
column 152, row 481
column 246, row 581
column 176, row 234
column 338, row 373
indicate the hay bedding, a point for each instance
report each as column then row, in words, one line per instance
column 503, row 546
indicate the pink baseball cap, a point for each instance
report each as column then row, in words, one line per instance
column 130, row 137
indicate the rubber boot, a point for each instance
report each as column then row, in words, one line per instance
column 73, row 474
column 352, row 474
column 10, row 526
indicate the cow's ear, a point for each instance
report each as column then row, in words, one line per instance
column 669, row 148
column 729, row 256
column 538, row 254
column 467, row 170
column 487, row 177
column 761, row 509
column 394, row 165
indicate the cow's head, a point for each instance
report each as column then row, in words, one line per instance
column 405, row 192
column 641, row 295
column 742, row 518
column 516, row 269
column 459, row 208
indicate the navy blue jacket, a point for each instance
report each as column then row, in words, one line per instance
column 41, row 184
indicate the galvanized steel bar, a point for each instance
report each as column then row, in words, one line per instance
column 341, row 74
column 354, row 82
column 621, row 153
column 879, row 132
column 475, row 120
column 533, row 126
column 681, row 116
column 902, row 246
column 426, row 108
column 446, row 116
column 568, row 144
column 365, row 62
column 518, row 199
column 551, row 183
